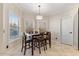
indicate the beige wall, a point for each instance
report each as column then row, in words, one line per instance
column 42, row 23
column 28, row 19
column 7, row 8
column 23, row 16
column 52, row 23
column 32, row 19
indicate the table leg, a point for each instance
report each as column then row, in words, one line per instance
column 32, row 49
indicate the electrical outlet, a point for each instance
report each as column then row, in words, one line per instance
column 7, row 46
column 56, row 38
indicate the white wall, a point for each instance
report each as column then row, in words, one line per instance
column 52, row 24
column 55, row 28
column 1, row 24
column 75, row 29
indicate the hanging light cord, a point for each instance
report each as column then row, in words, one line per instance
column 39, row 9
column 39, row 14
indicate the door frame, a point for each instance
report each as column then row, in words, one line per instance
column 78, row 28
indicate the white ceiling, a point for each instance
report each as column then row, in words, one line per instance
column 47, row 9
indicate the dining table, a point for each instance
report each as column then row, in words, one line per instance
column 30, row 37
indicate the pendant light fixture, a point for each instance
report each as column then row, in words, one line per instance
column 39, row 17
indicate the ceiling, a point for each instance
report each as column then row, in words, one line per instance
column 47, row 9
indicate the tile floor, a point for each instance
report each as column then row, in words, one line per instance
column 57, row 49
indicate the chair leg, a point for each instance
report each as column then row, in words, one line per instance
column 25, row 49
column 22, row 47
column 39, row 48
column 49, row 43
column 32, row 48
column 34, row 45
column 46, row 44
column 29, row 44
column 44, row 48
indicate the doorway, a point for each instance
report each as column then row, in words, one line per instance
column 67, row 30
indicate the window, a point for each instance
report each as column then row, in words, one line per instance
column 28, row 26
column 14, row 26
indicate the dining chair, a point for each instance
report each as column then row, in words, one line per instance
column 39, row 42
column 36, row 32
column 48, row 38
column 26, row 44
